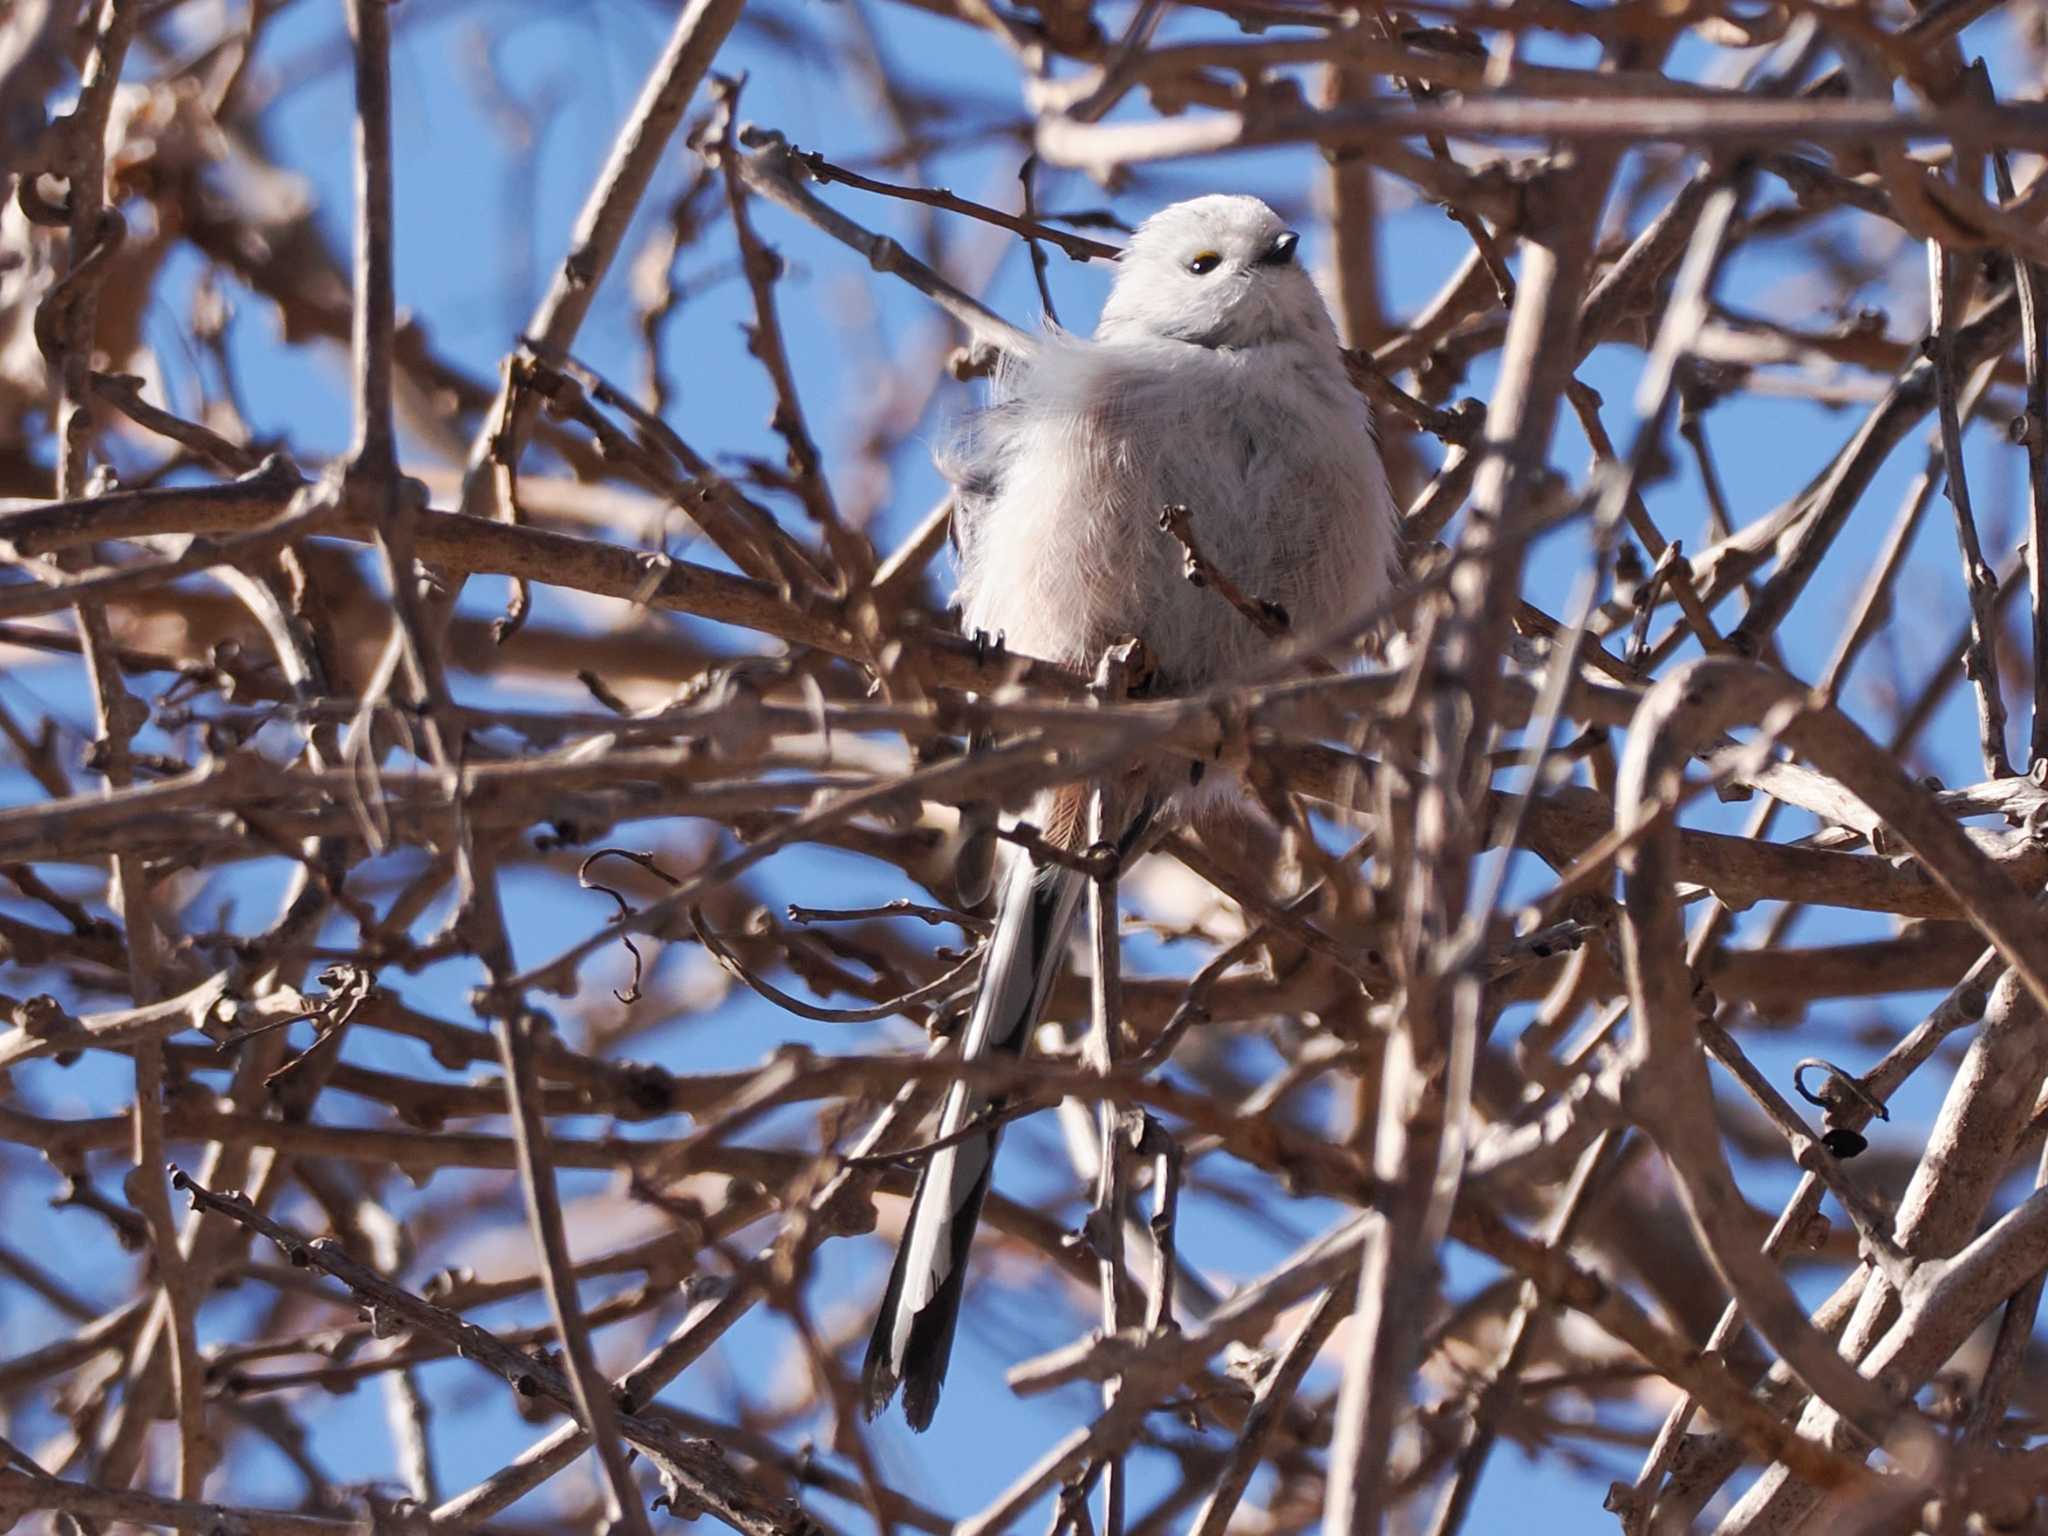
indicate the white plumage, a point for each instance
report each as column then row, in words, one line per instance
column 1214, row 381
column 1223, row 391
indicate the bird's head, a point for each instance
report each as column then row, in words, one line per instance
column 1216, row 271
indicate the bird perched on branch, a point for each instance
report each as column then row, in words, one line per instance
column 1215, row 382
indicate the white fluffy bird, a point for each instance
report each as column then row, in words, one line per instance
column 1214, row 381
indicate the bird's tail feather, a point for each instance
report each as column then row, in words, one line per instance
column 913, row 1337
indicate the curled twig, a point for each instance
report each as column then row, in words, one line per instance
column 1844, row 1141
column 645, row 861
column 942, row 987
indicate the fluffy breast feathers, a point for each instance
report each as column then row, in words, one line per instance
column 1062, row 478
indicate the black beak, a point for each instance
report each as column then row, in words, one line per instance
column 1282, row 251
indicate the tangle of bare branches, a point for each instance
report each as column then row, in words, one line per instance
column 457, row 1059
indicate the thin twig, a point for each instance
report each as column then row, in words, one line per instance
column 1980, row 661
column 1079, row 247
column 589, row 1391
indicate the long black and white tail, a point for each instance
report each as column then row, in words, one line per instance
column 913, row 1337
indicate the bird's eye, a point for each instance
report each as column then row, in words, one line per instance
column 1204, row 264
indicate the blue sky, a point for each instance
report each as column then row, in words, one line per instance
column 480, row 230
